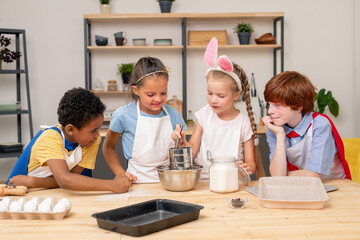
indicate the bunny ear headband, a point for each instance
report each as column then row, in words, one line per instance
column 222, row 64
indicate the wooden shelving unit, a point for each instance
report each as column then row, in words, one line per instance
column 18, row 73
column 276, row 17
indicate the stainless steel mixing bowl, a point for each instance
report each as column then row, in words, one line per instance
column 179, row 180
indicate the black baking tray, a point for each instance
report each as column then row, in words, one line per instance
column 147, row 217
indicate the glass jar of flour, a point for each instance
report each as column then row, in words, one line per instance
column 224, row 175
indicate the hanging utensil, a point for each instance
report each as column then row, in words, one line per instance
column 253, row 86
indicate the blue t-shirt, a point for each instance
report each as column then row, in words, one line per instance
column 124, row 121
column 323, row 146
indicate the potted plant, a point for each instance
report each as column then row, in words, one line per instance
column 105, row 6
column 125, row 70
column 6, row 54
column 165, row 5
column 323, row 100
column 244, row 31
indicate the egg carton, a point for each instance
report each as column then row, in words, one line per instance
column 36, row 208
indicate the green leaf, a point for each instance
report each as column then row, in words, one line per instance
column 321, row 110
column 334, row 108
column 325, row 99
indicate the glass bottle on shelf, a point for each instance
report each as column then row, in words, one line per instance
column 98, row 85
column 112, row 86
column 190, row 120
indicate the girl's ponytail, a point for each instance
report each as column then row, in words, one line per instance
column 246, row 91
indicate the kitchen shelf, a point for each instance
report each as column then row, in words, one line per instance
column 10, row 154
column 189, row 47
column 12, row 71
column 110, row 92
column 121, row 48
column 14, row 112
column 250, row 46
column 20, row 40
column 184, row 19
column 107, row 18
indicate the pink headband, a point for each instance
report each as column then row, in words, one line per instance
column 222, row 64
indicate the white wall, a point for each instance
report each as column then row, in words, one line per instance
column 319, row 41
column 356, row 89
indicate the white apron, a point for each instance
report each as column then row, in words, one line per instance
column 72, row 160
column 151, row 146
column 220, row 141
column 298, row 155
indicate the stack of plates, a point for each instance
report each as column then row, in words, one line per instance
column 139, row 41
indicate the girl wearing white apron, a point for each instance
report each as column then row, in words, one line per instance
column 226, row 81
column 151, row 146
column 220, row 141
column 146, row 140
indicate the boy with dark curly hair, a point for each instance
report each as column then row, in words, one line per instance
column 62, row 156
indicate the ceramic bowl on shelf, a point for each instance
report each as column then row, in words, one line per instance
column 266, row 38
column 100, row 40
column 139, row 41
column 163, row 42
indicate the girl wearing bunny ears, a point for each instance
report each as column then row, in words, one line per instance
column 220, row 127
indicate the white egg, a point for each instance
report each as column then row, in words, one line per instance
column 29, row 206
column 21, row 201
column 66, row 202
column 3, row 207
column 44, row 207
column 50, row 201
column 36, row 201
column 15, row 207
column 59, row 207
column 7, row 201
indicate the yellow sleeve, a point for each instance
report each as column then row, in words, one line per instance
column 89, row 155
column 49, row 145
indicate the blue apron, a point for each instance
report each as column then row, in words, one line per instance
column 21, row 166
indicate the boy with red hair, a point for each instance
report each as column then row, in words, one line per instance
column 302, row 142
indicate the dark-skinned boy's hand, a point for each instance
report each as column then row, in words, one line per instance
column 21, row 180
column 121, row 184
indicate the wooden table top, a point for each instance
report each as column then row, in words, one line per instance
column 340, row 218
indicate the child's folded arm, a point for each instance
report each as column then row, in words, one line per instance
column 304, row 172
column 34, row 182
column 74, row 181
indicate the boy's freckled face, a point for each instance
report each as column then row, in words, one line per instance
column 87, row 135
column 281, row 115
column 152, row 94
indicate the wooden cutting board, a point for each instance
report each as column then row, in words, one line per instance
column 175, row 103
